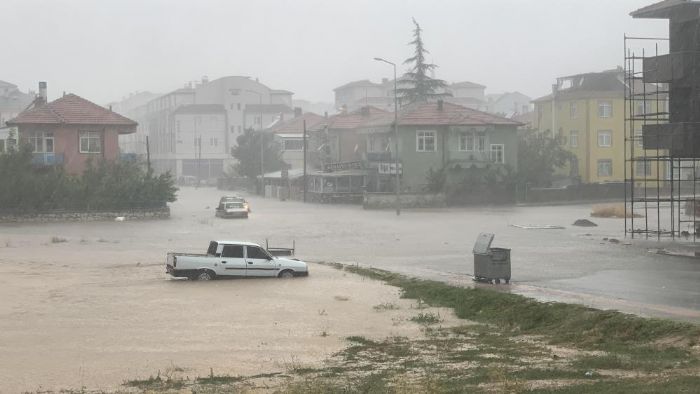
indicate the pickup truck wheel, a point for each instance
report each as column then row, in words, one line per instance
column 286, row 274
column 204, row 275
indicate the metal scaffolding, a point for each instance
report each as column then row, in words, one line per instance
column 661, row 184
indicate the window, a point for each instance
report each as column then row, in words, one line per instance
column 605, row 109
column 41, row 142
column 37, row 142
column 238, row 106
column 233, row 129
column 90, row 142
column 638, row 138
column 497, row 153
column 481, row 142
column 233, row 251
column 294, row 144
column 573, row 139
column 572, row 110
column 48, row 142
column 642, row 168
column 466, row 142
column 258, row 120
column 605, row 167
column 642, row 108
column 255, row 252
column 2, row 145
column 425, row 141
column 605, row 138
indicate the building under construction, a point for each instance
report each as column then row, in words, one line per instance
column 662, row 125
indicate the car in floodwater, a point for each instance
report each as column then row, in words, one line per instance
column 233, row 259
column 232, row 207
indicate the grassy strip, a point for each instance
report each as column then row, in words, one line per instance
column 561, row 323
column 509, row 352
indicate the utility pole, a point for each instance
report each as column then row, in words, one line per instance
column 262, row 148
column 396, row 136
column 304, row 161
column 148, row 155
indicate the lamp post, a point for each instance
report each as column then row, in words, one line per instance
column 396, row 137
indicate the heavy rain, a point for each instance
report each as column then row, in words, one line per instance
column 358, row 197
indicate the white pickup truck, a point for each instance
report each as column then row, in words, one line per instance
column 233, row 259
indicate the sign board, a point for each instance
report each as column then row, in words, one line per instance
column 389, row 168
column 348, row 165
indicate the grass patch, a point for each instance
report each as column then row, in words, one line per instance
column 560, row 322
column 426, row 318
column 637, row 385
column 58, row 240
column 386, row 306
column 156, row 383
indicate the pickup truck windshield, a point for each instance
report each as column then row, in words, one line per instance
column 255, row 252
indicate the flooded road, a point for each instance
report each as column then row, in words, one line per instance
column 89, row 303
column 571, row 264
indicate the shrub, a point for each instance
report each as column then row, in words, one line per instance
column 104, row 185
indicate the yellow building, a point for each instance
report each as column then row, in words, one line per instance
column 588, row 112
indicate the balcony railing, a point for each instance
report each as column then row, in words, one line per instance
column 47, row 159
column 379, row 156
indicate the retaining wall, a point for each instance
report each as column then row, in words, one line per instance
column 86, row 216
column 388, row 200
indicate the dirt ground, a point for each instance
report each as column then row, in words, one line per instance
column 66, row 322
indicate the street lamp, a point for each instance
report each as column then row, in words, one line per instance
column 396, row 136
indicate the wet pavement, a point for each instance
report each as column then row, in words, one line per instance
column 574, row 264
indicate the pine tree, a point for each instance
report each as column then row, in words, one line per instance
column 419, row 86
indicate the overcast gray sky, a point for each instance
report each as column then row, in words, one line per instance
column 102, row 50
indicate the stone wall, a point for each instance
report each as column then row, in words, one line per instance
column 388, row 200
column 73, row 216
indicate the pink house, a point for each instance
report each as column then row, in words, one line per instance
column 70, row 131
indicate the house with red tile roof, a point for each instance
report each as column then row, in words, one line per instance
column 338, row 136
column 436, row 136
column 70, row 131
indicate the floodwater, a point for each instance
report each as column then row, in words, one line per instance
column 70, row 311
column 573, row 264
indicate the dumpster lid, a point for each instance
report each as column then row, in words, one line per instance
column 483, row 243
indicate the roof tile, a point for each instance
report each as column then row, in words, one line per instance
column 71, row 109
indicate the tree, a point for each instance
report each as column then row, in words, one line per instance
column 247, row 152
column 419, row 85
column 539, row 155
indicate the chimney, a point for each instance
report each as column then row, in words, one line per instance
column 42, row 92
column 297, row 112
column 325, row 114
column 440, row 106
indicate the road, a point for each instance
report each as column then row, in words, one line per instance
column 574, row 264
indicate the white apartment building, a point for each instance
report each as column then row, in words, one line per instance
column 216, row 111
